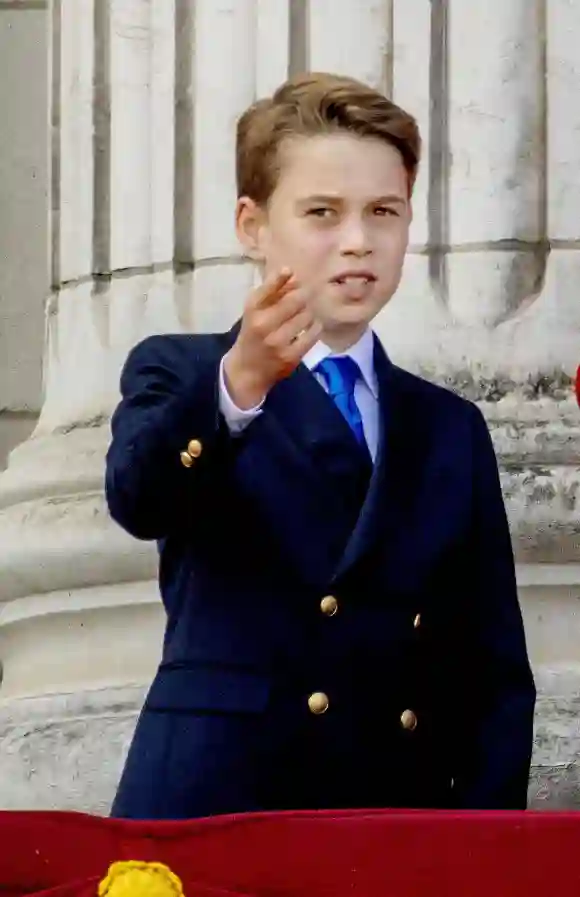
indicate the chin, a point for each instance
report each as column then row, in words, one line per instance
column 355, row 313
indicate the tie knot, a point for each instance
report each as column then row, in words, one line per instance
column 340, row 374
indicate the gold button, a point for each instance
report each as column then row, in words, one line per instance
column 329, row 605
column 194, row 448
column 186, row 459
column 417, row 621
column 409, row 720
column 318, row 702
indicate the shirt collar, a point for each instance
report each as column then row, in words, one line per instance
column 362, row 352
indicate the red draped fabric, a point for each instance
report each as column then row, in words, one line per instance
column 325, row 854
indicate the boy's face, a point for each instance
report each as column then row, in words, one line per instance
column 339, row 219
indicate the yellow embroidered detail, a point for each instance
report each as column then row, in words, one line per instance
column 137, row 879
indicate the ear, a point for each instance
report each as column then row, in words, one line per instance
column 250, row 222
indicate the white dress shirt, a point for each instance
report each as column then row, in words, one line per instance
column 366, row 391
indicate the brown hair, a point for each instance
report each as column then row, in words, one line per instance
column 312, row 104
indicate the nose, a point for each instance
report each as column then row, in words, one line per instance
column 354, row 238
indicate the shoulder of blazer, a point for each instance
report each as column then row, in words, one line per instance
column 430, row 395
column 426, row 407
column 177, row 348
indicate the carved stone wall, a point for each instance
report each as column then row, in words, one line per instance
column 23, row 220
column 145, row 95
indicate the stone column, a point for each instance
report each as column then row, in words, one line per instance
column 489, row 301
column 80, row 620
column 145, row 98
column 23, row 225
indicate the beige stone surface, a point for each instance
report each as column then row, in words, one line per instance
column 24, row 204
column 15, row 427
column 145, row 98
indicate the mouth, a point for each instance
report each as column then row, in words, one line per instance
column 354, row 278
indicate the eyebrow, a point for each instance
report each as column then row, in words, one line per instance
column 390, row 198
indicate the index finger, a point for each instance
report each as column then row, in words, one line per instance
column 274, row 287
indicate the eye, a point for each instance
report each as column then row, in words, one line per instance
column 384, row 211
column 320, row 212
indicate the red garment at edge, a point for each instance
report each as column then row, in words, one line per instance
column 326, row 854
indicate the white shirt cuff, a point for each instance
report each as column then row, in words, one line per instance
column 236, row 418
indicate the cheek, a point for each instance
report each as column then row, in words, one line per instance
column 390, row 256
column 395, row 245
column 306, row 247
column 317, row 244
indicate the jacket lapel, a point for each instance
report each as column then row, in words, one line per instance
column 385, row 494
column 302, row 467
column 317, row 429
column 313, row 423
column 338, row 503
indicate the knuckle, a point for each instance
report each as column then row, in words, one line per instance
column 287, row 354
column 271, row 340
column 260, row 327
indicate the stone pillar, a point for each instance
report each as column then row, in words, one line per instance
column 145, row 98
column 80, row 620
column 489, row 303
column 23, row 220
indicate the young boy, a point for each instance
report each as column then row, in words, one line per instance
column 343, row 628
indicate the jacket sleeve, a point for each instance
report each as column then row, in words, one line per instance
column 168, row 437
column 493, row 765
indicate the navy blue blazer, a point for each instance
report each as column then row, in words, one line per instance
column 298, row 578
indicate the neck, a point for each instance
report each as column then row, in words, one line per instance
column 342, row 341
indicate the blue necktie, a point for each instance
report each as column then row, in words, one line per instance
column 340, row 375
